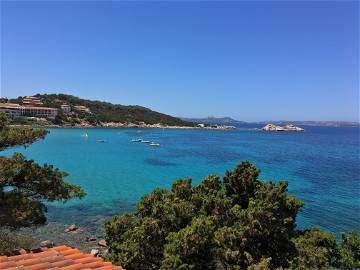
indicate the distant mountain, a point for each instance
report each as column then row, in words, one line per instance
column 95, row 112
column 212, row 120
column 315, row 123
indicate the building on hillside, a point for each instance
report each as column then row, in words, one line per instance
column 65, row 108
column 11, row 110
column 16, row 110
column 31, row 101
column 82, row 109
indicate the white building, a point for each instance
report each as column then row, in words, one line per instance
column 82, row 108
column 31, row 101
column 16, row 110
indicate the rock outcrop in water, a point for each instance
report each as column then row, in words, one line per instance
column 288, row 127
column 291, row 127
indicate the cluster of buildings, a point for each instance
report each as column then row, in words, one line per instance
column 15, row 110
column 31, row 106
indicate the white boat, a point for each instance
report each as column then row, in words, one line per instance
column 136, row 140
column 101, row 141
column 155, row 144
column 143, row 141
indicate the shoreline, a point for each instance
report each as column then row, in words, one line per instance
column 135, row 126
column 55, row 232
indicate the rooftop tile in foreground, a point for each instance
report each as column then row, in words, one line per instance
column 56, row 258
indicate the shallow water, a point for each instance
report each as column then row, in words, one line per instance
column 321, row 165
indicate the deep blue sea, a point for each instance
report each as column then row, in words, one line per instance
column 321, row 164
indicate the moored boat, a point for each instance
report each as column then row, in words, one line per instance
column 155, row 144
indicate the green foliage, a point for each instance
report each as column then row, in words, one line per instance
column 140, row 243
column 238, row 222
column 25, row 185
column 349, row 251
column 190, row 247
column 316, row 250
column 240, row 184
column 10, row 241
column 223, row 224
column 108, row 112
column 19, row 135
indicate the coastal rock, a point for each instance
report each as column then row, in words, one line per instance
column 90, row 239
column 72, row 228
column 272, row 127
column 95, row 252
column 288, row 127
column 47, row 243
column 102, row 243
column 22, row 251
column 291, row 127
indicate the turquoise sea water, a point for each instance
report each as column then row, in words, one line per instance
column 321, row 165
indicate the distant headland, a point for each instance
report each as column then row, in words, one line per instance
column 229, row 120
column 61, row 110
column 212, row 119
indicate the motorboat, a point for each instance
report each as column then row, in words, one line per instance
column 155, row 144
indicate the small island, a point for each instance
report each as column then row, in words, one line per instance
column 288, row 127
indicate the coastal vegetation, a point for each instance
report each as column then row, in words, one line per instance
column 237, row 222
column 26, row 185
column 101, row 112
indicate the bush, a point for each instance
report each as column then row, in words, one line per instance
column 10, row 241
column 239, row 222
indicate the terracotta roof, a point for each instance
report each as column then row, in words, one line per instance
column 56, row 258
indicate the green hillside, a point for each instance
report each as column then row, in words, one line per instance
column 108, row 112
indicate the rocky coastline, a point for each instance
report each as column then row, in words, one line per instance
column 84, row 124
column 54, row 233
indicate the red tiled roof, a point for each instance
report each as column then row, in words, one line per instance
column 56, row 258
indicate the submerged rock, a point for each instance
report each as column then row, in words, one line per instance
column 90, row 239
column 72, row 228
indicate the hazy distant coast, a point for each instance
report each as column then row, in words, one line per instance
column 212, row 119
column 315, row 123
column 228, row 120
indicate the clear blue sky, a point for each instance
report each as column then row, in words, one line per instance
column 250, row 60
